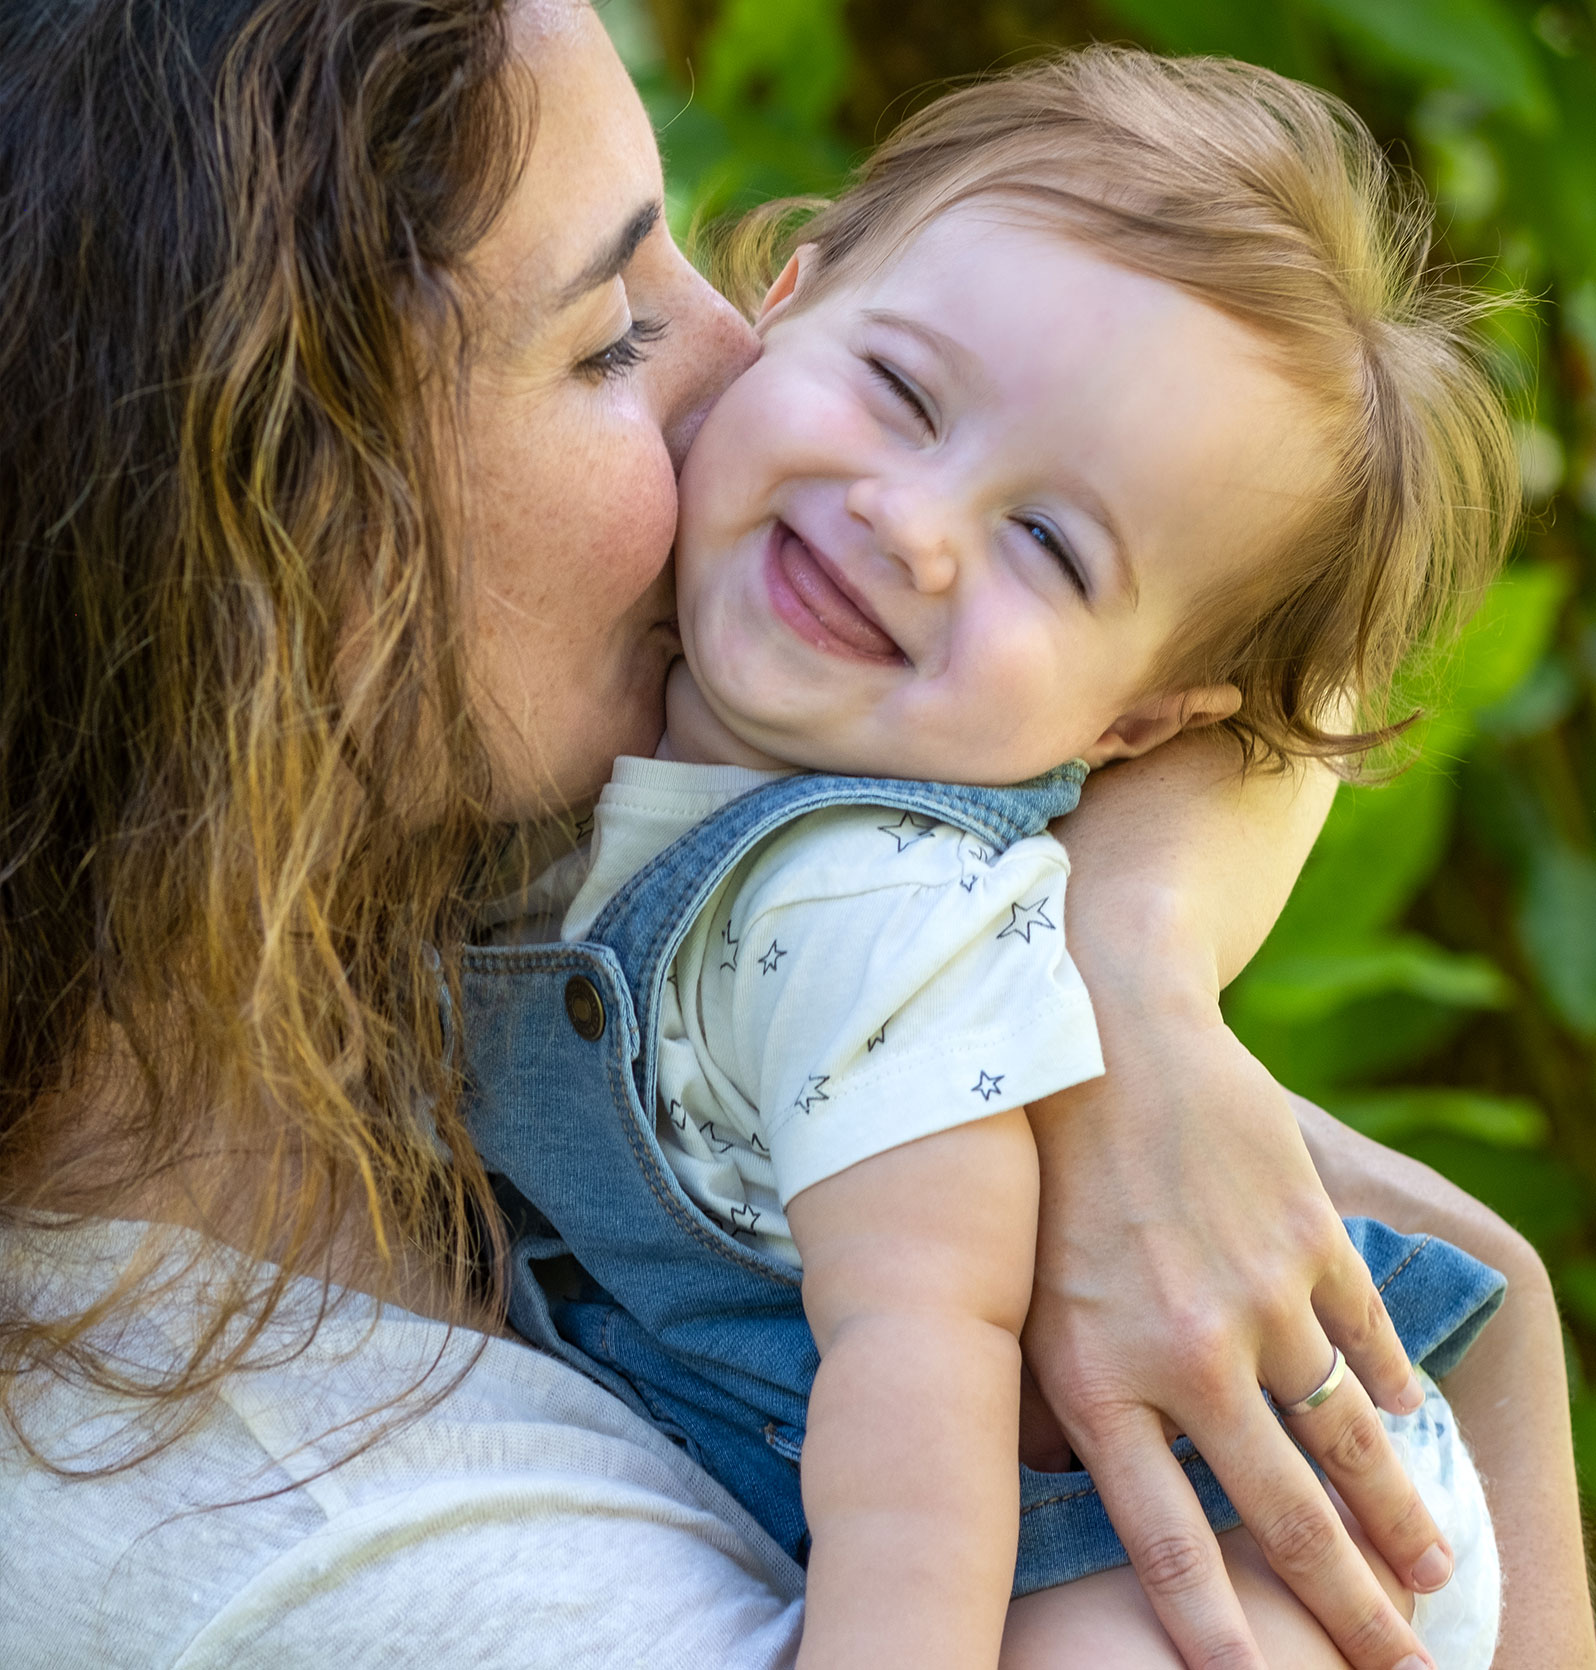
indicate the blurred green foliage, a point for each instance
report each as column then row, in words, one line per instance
column 1433, row 980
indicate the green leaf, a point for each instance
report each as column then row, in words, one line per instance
column 1393, row 1116
column 1262, row 34
column 1501, row 645
column 1475, row 45
column 1584, row 1421
column 1557, row 928
column 1533, row 1189
column 1541, row 702
column 1307, row 985
column 1378, row 849
column 786, row 56
column 1513, row 629
column 1576, row 1287
column 1356, row 1044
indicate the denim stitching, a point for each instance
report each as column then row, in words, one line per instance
column 1382, row 1286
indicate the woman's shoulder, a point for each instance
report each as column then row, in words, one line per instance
column 304, row 1515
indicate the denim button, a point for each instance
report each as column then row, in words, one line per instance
column 585, row 1007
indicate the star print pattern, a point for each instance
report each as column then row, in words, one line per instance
column 882, row 902
column 911, row 827
column 812, row 1091
column 973, row 852
column 1023, row 918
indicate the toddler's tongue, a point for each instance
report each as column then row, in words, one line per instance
column 821, row 595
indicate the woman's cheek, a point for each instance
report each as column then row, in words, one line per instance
column 641, row 526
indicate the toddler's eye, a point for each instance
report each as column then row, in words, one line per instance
column 625, row 353
column 904, row 391
column 1053, row 543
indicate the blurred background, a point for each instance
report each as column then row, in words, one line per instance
column 1433, row 981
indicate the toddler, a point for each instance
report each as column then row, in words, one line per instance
column 1108, row 403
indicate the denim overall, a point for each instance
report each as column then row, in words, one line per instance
column 616, row 1271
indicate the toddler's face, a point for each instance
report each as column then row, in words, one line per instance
column 946, row 524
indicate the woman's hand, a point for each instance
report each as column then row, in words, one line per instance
column 1510, row 1394
column 1188, row 1254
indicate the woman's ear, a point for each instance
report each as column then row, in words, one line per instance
column 788, row 283
column 1157, row 720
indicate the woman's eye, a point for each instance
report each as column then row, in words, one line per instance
column 1054, row 545
column 624, row 354
column 904, row 391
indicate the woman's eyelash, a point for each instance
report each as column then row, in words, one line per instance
column 1055, row 547
column 885, row 374
column 625, row 353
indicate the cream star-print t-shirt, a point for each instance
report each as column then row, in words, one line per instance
column 861, row 979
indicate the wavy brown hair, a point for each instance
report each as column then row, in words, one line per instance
column 1271, row 201
column 232, row 322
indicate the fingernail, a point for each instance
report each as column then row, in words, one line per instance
column 1414, row 1662
column 1432, row 1569
column 1410, row 1397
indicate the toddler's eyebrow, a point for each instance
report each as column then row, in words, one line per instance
column 959, row 358
column 1099, row 512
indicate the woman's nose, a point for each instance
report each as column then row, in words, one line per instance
column 914, row 525
column 709, row 345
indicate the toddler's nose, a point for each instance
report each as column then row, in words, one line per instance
column 912, row 525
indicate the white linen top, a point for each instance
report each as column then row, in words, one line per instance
column 527, row 1520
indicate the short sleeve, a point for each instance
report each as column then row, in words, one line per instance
column 898, row 978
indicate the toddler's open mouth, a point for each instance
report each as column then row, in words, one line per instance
column 813, row 599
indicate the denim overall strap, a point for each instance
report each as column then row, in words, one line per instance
column 648, row 918
column 615, row 1269
column 701, row 1332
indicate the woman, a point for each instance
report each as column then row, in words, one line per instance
column 349, row 365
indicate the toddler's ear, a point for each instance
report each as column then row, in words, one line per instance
column 1160, row 718
column 788, row 283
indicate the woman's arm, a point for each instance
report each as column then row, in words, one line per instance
column 1509, row 1394
column 1187, row 1250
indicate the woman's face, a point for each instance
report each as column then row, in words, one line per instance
column 597, row 352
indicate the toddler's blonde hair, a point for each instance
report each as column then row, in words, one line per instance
column 1271, row 201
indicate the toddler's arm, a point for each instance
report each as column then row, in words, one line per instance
column 917, row 1275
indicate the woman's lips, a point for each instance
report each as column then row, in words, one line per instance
column 815, row 606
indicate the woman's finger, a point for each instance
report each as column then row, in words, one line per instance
column 1342, row 1431
column 1170, row 1542
column 1354, row 1316
column 1302, row 1536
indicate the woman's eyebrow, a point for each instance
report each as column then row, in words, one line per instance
column 613, row 257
